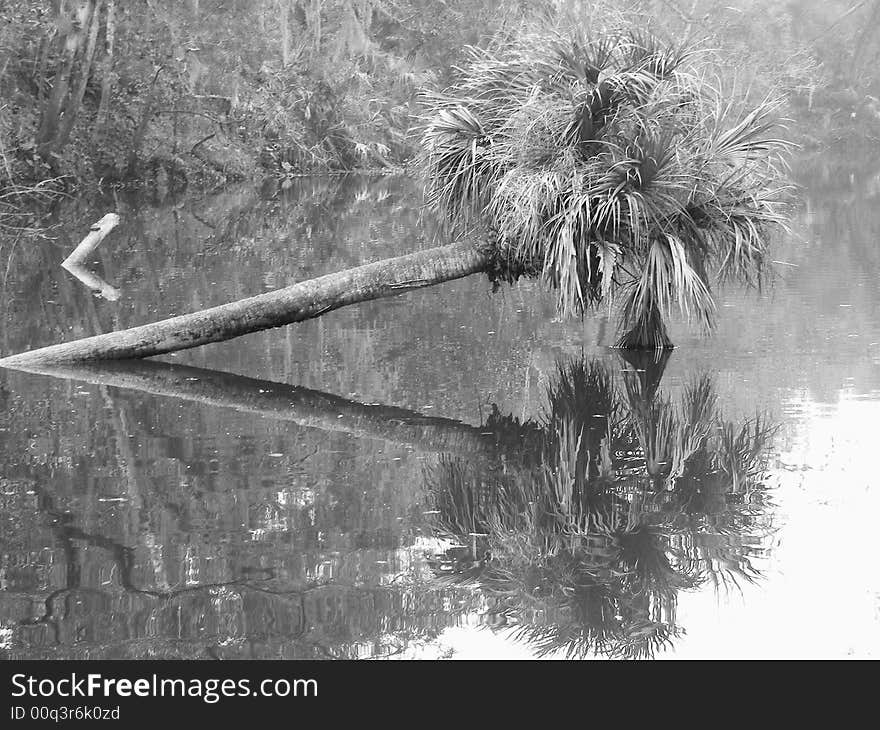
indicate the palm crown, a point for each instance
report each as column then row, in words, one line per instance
column 610, row 165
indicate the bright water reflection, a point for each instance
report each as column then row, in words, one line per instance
column 149, row 510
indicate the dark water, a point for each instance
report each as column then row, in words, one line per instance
column 449, row 473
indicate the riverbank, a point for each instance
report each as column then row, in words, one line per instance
column 161, row 95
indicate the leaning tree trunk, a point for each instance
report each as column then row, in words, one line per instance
column 296, row 303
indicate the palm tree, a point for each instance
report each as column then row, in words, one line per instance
column 610, row 166
column 627, row 498
column 603, row 161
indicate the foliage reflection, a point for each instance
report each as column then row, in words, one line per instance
column 615, row 501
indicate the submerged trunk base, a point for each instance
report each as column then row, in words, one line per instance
column 648, row 333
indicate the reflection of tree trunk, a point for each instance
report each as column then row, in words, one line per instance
column 315, row 24
column 296, row 303
column 73, row 105
column 279, row 401
column 107, row 65
column 141, row 131
column 71, row 40
column 645, row 372
column 131, row 526
column 642, row 380
column 127, row 464
column 869, row 30
column 690, row 20
column 284, row 19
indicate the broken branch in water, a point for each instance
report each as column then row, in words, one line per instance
column 96, row 234
column 75, row 262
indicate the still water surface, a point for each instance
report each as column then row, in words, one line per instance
column 450, row 473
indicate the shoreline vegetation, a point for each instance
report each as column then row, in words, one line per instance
column 168, row 95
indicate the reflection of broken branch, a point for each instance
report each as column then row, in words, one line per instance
column 94, row 282
column 96, row 234
column 75, row 263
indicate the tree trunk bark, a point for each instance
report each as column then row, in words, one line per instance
column 296, row 303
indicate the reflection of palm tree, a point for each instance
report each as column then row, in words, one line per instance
column 580, row 528
column 623, row 499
